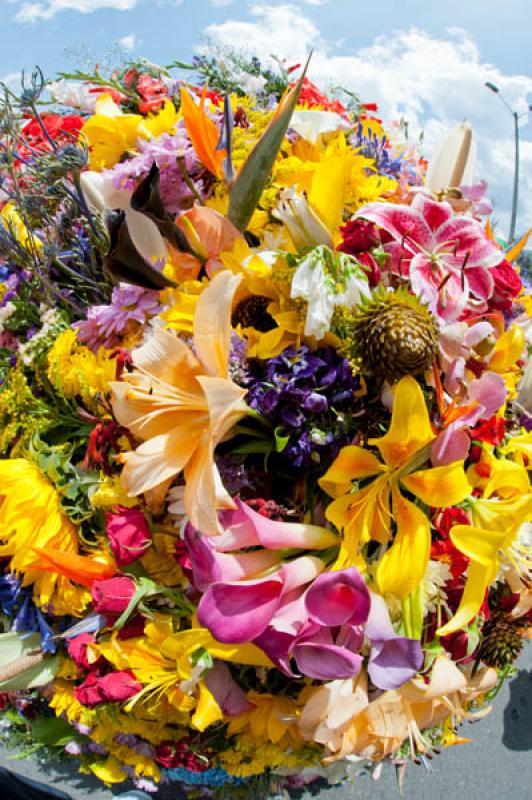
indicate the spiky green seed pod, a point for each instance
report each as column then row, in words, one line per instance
column 392, row 335
column 502, row 641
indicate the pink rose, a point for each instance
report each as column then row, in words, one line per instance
column 112, row 596
column 115, row 687
column 77, row 650
column 129, row 534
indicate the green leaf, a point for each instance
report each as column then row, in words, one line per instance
column 281, row 439
column 52, row 731
column 253, row 447
column 246, row 190
column 13, row 647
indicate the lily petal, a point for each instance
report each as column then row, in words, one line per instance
column 410, row 429
column 439, row 486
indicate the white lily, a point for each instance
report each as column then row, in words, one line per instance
column 453, row 163
column 311, row 124
column 303, row 224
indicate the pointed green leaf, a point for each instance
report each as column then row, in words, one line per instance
column 251, row 180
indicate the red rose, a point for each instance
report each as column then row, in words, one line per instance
column 112, row 596
column 358, row 235
column 115, row 687
column 77, row 650
column 445, row 520
column 129, row 534
column 507, row 285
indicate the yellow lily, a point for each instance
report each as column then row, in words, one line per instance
column 497, row 516
column 182, row 404
column 162, row 660
column 368, row 513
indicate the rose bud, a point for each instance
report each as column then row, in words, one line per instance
column 129, row 535
column 115, row 687
column 112, row 596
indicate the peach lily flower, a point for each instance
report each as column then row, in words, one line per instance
column 368, row 513
column 181, row 403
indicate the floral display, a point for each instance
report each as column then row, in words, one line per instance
column 265, row 431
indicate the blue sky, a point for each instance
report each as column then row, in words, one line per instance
column 426, row 60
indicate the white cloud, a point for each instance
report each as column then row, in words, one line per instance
column 12, row 80
column 33, row 12
column 432, row 82
column 128, row 42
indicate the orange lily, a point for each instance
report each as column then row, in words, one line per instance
column 203, row 132
column 182, row 404
column 368, row 513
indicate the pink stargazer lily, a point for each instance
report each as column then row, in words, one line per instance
column 447, row 257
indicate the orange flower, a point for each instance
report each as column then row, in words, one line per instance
column 182, row 404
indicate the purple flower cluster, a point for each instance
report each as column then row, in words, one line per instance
column 165, row 150
column 306, row 395
column 106, row 326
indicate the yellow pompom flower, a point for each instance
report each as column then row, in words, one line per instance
column 75, row 371
column 31, row 516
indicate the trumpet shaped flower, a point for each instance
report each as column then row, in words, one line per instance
column 447, row 257
column 506, row 503
column 368, row 513
column 181, row 403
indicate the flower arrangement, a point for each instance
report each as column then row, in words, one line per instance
column 265, row 431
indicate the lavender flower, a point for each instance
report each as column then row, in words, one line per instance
column 176, row 193
column 304, row 394
column 106, row 326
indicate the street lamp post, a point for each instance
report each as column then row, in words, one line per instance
column 516, row 118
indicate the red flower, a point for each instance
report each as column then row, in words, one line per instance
column 115, row 687
column 129, row 534
column 358, row 235
column 446, row 551
column 112, row 596
column 171, row 754
column 490, row 430
column 312, row 97
column 77, row 650
column 153, row 93
column 62, row 129
column 507, row 285
column 456, row 645
column 444, row 520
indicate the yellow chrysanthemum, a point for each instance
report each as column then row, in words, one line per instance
column 253, row 756
column 109, row 493
column 159, row 561
column 75, row 371
column 31, row 516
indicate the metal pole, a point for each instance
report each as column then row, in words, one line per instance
column 515, row 195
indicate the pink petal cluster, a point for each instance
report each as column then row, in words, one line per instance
column 293, row 610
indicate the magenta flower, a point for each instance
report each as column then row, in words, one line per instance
column 128, row 533
column 106, row 326
column 448, row 258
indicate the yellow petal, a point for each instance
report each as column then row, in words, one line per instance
column 502, row 514
column 403, row 566
column 508, row 349
column 248, row 654
column 212, row 323
column 410, row 428
column 478, row 580
column 440, row 486
column 351, row 463
column 328, row 190
column 514, row 251
column 207, row 711
column 478, row 544
column 109, row 771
